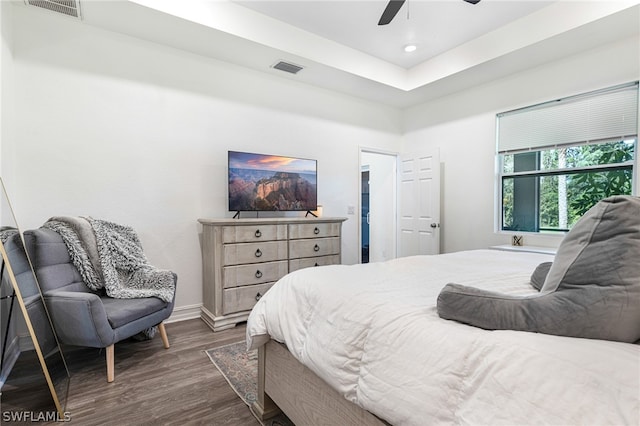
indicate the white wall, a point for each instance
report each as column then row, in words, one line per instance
column 137, row 133
column 462, row 126
column 6, row 76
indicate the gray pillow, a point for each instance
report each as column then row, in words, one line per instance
column 540, row 274
column 591, row 290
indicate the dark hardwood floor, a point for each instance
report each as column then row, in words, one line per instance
column 153, row 385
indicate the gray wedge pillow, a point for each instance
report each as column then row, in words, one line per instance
column 540, row 274
column 591, row 290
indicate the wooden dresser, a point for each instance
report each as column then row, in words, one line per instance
column 242, row 258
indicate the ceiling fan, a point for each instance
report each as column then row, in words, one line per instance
column 394, row 6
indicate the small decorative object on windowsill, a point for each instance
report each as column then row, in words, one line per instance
column 517, row 240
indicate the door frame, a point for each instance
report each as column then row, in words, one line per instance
column 396, row 156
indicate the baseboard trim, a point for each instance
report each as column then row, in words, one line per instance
column 184, row 313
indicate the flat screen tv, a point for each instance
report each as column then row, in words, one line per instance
column 260, row 182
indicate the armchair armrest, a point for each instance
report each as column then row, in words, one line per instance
column 79, row 318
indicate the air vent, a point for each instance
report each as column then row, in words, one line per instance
column 66, row 7
column 287, row 67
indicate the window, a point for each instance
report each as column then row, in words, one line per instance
column 556, row 160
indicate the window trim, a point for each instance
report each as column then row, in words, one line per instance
column 572, row 170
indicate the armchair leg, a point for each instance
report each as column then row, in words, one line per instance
column 163, row 335
column 110, row 350
column 110, row 363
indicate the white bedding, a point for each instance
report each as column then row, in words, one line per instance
column 372, row 332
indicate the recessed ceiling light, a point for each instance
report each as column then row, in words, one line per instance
column 410, row 48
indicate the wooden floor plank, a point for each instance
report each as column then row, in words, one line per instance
column 153, row 385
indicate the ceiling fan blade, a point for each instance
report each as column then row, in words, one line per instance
column 390, row 11
column 473, row 1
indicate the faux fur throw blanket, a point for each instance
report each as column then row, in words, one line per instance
column 108, row 255
column 7, row 232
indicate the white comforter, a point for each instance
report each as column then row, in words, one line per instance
column 372, row 332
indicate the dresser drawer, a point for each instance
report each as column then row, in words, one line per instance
column 248, row 233
column 309, row 262
column 237, row 254
column 314, row 230
column 237, row 276
column 242, row 298
column 314, row 247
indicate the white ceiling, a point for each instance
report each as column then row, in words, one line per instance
column 342, row 48
column 434, row 26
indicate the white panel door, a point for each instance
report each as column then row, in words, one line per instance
column 419, row 209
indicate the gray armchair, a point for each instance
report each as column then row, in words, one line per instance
column 80, row 316
column 30, row 296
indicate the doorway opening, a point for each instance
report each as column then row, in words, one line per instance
column 364, row 215
column 378, row 201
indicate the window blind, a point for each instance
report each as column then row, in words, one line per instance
column 604, row 114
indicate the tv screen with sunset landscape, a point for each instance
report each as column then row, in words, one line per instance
column 260, row 182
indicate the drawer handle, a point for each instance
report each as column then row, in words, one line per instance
column 258, row 253
column 258, row 296
column 316, row 264
column 316, row 230
column 258, row 274
column 258, row 234
column 316, row 248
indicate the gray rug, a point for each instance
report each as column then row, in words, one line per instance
column 240, row 369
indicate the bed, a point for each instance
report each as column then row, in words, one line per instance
column 364, row 344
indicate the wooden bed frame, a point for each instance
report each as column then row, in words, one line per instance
column 284, row 384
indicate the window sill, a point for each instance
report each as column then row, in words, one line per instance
column 528, row 249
